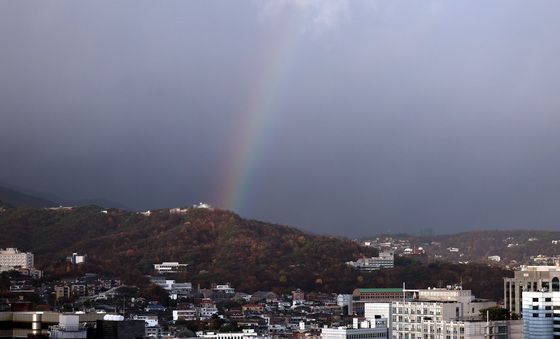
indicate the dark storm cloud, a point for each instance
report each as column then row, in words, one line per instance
column 389, row 116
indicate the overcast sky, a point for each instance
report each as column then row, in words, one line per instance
column 348, row 117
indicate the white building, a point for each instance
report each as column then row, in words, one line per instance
column 245, row 334
column 345, row 300
column 77, row 259
column 68, row 327
column 181, row 288
column 451, row 293
column 169, row 267
column 384, row 260
column 541, row 315
column 178, row 210
column 11, row 258
column 224, row 288
column 436, row 313
column 207, row 312
column 203, row 205
column 374, row 311
column 368, row 329
column 495, row 258
column 185, row 314
column 470, row 329
column 166, row 284
column 151, row 320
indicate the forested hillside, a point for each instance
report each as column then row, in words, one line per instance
column 219, row 246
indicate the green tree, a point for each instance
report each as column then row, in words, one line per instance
column 495, row 313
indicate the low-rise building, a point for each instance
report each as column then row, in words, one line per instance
column 345, row 302
column 69, row 327
column 77, row 259
column 169, row 267
column 223, row 288
column 368, row 329
column 384, row 260
column 63, row 292
column 245, row 334
column 189, row 314
column 256, row 308
column 364, row 295
column 151, row 320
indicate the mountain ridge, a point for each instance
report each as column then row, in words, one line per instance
column 16, row 198
column 513, row 247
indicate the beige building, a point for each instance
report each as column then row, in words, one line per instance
column 532, row 279
column 63, row 292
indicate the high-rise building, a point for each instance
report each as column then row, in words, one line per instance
column 529, row 279
column 541, row 314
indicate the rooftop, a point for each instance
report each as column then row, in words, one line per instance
column 380, row 290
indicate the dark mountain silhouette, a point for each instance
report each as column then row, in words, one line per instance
column 14, row 198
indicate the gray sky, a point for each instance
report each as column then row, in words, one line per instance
column 349, row 117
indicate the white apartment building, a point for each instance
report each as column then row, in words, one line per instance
column 541, row 314
column 368, row 329
column 415, row 319
column 11, row 258
column 437, row 320
column 185, row 314
column 169, row 267
column 440, row 314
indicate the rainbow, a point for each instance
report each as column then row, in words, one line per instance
column 256, row 119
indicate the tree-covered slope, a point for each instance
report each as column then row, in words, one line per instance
column 219, row 246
